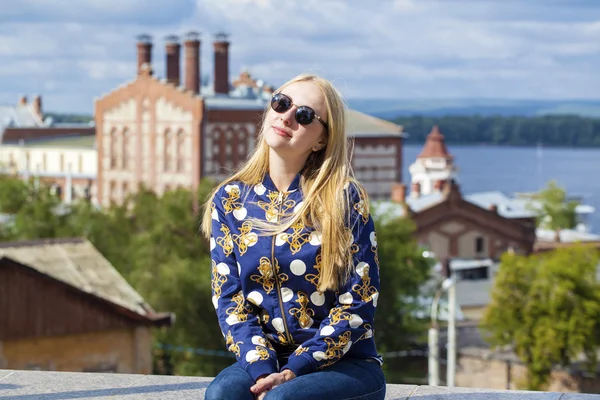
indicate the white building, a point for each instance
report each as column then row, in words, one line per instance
column 433, row 168
column 69, row 164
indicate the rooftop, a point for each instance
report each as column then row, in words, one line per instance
column 40, row 385
column 79, row 264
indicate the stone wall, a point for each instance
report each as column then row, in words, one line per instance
column 64, row 385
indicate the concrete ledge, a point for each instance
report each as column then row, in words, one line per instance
column 41, row 385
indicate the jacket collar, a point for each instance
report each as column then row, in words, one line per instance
column 268, row 183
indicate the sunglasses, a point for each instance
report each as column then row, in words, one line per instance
column 305, row 115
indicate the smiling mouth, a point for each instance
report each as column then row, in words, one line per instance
column 281, row 132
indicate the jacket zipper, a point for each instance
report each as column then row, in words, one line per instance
column 277, row 283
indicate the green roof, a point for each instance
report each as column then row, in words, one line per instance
column 359, row 124
column 88, row 141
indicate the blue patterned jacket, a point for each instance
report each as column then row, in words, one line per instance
column 264, row 287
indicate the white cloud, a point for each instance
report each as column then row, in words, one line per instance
column 388, row 48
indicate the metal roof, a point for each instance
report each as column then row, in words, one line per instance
column 79, row 264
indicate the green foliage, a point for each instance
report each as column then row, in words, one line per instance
column 154, row 242
column 547, row 308
column 69, row 118
column 551, row 130
column 555, row 211
column 403, row 271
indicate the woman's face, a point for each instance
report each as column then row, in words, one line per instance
column 282, row 131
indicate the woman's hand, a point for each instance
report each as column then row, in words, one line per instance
column 263, row 385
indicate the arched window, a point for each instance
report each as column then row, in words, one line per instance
column 180, row 151
column 125, row 149
column 167, row 154
column 112, row 148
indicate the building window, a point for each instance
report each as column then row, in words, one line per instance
column 180, row 151
column 473, row 274
column 479, row 243
column 113, row 148
column 112, row 190
column 167, row 150
column 125, row 149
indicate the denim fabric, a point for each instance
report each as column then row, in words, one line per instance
column 348, row 379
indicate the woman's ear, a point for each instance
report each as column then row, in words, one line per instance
column 320, row 144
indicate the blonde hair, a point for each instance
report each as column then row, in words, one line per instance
column 323, row 180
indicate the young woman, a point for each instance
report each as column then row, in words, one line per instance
column 295, row 275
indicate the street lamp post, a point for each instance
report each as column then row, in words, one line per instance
column 433, row 359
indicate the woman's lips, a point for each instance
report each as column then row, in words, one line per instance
column 281, row 132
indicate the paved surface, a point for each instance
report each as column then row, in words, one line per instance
column 39, row 385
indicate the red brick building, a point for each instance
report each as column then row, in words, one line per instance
column 172, row 132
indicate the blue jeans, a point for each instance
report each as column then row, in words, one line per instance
column 349, row 378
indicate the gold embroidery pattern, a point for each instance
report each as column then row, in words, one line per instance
column 265, row 343
column 338, row 314
column 300, row 350
column 267, row 276
column 241, row 309
column 367, row 328
column 246, row 238
column 218, row 280
column 303, row 314
column 232, row 203
column 314, row 278
column 272, row 207
column 225, row 242
column 282, row 338
column 264, row 316
column 361, row 207
column 297, row 239
column 263, row 354
column 365, row 290
column 335, row 350
column 234, row 347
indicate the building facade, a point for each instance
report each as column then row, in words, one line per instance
column 165, row 133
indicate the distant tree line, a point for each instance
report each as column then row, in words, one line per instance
column 69, row 118
column 550, row 130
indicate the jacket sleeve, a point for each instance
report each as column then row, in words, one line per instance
column 351, row 319
column 237, row 317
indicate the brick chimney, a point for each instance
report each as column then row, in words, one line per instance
column 23, row 100
column 221, row 75
column 399, row 193
column 173, row 50
column 415, row 190
column 144, row 53
column 192, row 62
column 37, row 105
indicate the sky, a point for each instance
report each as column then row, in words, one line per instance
column 73, row 52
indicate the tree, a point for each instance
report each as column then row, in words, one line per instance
column 546, row 307
column 554, row 211
column 154, row 242
column 403, row 272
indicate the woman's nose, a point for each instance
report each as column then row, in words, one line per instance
column 288, row 116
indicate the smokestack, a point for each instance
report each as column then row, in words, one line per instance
column 173, row 50
column 192, row 62
column 37, row 105
column 144, row 53
column 221, row 75
column 399, row 193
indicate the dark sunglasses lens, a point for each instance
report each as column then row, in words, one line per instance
column 280, row 103
column 305, row 115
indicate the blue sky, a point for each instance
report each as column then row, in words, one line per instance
column 72, row 52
